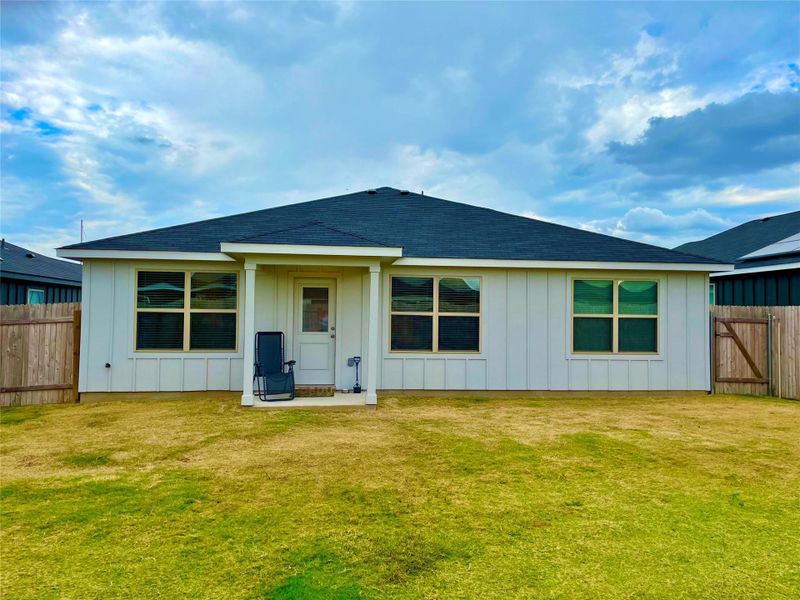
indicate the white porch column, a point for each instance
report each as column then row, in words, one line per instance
column 372, row 337
column 249, row 332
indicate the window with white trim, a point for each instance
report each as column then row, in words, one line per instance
column 435, row 314
column 186, row 310
column 615, row 316
column 35, row 296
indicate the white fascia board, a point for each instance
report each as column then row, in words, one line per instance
column 79, row 254
column 241, row 248
column 766, row 269
column 558, row 264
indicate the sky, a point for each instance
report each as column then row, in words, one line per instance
column 656, row 122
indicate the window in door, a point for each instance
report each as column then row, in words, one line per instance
column 315, row 309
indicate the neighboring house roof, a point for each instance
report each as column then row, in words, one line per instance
column 423, row 226
column 21, row 263
column 746, row 244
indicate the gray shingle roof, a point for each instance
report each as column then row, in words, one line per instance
column 423, row 226
column 19, row 263
column 748, row 237
column 312, row 233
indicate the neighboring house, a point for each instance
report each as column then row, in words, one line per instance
column 432, row 294
column 766, row 256
column 27, row 277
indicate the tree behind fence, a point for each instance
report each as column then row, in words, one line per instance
column 39, row 346
column 785, row 350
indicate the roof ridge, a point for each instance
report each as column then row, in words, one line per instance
column 310, row 223
column 355, row 235
column 282, row 230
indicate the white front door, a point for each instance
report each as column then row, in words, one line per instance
column 315, row 331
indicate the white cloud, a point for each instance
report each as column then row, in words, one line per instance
column 734, row 196
column 627, row 121
column 654, row 226
column 146, row 104
column 634, row 87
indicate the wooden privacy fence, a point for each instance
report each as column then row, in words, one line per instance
column 756, row 350
column 39, row 348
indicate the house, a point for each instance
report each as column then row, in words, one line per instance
column 766, row 257
column 27, row 277
column 431, row 294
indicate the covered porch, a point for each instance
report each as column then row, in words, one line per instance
column 326, row 300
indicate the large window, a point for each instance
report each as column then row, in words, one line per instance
column 614, row 316
column 186, row 310
column 435, row 314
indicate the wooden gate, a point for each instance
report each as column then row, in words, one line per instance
column 756, row 327
column 741, row 361
column 39, row 347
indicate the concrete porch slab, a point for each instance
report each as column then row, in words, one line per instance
column 338, row 399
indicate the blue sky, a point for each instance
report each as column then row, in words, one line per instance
column 656, row 122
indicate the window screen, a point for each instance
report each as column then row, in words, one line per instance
column 638, row 297
column 159, row 331
column 459, row 334
column 637, row 335
column 213, row 331
column 592, row 334
column 160, row 289
column 459, row 294
column 593, row 297
column 412, row 332
column 214, row 290
column 412, row 294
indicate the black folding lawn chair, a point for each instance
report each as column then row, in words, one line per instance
column 273, row 377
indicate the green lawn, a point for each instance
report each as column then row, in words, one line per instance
column 460, row 497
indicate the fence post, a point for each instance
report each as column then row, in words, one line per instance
column 76, row 354
column 769, row 354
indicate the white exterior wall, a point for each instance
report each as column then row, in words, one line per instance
column 526, row 338
column 525, row 334
column 107, row 336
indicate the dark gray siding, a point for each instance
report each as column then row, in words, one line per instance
column 777, row 288
column 15, row 291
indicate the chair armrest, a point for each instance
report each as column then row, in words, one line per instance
column 290, row 364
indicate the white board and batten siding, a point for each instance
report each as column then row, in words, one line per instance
column 107, row 336
column 526, row 339
column 525, row 334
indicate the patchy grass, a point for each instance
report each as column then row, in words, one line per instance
column 473, row 496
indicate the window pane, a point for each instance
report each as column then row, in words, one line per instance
column 410, row 294
column 459, row 333
column 592, row 297
column 214, row 290
column 460, row 294
column 159, row 331
column 591, row 334
column 315, row 309
column 213, row 331
column 159, row 289
column 638, row 298
column 637, row 335
column 412, row 332
column 35, row 296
